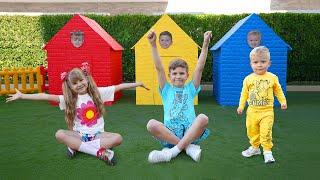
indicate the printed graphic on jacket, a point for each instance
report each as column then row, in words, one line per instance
column 258, row 95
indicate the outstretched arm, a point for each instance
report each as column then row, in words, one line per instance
column 129, row 85
column 38, row 96
column 156, row 59
column 202, row 59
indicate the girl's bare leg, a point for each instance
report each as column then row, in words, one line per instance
column 109, row 139
column 69, row 138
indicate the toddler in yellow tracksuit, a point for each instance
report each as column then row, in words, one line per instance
column 258, row 90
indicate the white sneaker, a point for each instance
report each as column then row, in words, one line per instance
column 165, row 149
column 251, row 152
column 159, row 156
column 194, row 152
column 268, row 158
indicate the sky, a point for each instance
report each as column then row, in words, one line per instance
column 218, row 6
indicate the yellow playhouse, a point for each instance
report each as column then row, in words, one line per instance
column 183, row 47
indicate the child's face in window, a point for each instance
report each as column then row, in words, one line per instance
column 253, row 40
column 165, row 41
column 178, row 76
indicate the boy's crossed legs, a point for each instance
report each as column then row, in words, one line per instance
column 98, row 145
column 161, row 132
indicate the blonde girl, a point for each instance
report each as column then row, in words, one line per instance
column 82, row 102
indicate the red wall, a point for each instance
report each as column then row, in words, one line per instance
column 62, row 56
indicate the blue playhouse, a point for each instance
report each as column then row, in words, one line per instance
column 231, row 58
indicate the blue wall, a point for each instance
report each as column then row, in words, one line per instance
column 231, row 59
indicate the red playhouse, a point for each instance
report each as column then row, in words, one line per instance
column 80, row 40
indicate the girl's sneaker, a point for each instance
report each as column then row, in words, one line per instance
column 251, row 152
column 71, row 153
column 107, row 156
column 268, row 158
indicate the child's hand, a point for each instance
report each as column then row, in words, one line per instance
column 142, row 85
column 152, row 37
column 207, row 36
column 284, row 106
column 12, row 97
column 239, row 111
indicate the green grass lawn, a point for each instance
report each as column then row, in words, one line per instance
column 29, row 149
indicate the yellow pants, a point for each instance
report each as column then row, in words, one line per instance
column 259, row 128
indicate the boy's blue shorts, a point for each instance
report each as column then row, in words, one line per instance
column 179, row 130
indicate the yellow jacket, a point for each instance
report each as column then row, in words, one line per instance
column 258, row 91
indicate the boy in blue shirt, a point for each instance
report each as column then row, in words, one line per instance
column 182, row 129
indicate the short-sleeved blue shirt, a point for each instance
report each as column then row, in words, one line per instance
column 178, row 103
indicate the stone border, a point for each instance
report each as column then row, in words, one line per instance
column 291, row 88
column 304, row 88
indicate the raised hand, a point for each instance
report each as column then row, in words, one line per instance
column 152, row 37
column 207, row 36
column 12, row 97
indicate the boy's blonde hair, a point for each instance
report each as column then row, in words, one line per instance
column 260, row 51
column 255, row 33
column 178, row 63
column 70, row 97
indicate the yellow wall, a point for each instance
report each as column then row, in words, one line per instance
column 183, row 47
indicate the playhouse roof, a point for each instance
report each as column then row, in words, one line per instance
column 166, row 21
column 237, row 26
column 97, row 29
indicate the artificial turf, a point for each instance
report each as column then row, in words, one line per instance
column 29, row 149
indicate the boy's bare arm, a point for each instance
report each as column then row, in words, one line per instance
column 38, row 96
column 202, row 59
column 156, row 59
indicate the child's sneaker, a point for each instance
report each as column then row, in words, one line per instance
column 194, row 152
column 71, row 153
column 165, row 149
column 268, row 158
column 251, row 152
column 107, row 156
column 159, row 156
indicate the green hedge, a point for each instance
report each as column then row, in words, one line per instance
column 21, row 38
column 20, row 42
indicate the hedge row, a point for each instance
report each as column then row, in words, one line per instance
column 22, row 37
